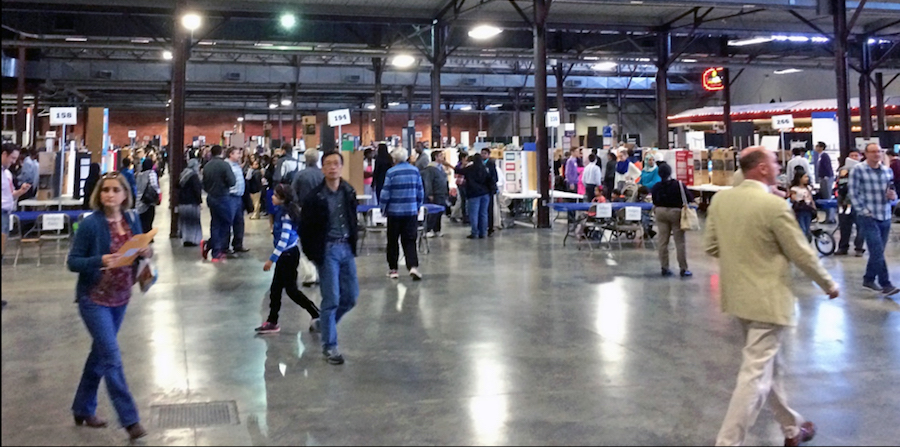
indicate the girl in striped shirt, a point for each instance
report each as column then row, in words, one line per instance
column 286, row 258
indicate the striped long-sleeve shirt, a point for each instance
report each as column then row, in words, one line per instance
column 285, row 233
column 402, row 194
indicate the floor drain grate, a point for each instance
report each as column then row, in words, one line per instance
column 206, row 414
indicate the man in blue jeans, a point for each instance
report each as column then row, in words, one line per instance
column 236, row 201
column 218, row 179
column 328, row 233
column 871, row 191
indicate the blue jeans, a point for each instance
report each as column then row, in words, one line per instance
column 804, row 218
column 104, row 362
column 478, row 214
column 237, row 222
column 220, row 223
column 337, row 280
column 876, row 234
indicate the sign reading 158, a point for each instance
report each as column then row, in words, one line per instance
column 63, row 115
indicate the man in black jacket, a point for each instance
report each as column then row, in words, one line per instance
column 492, row 170
column 218, row 179
column 609, row 175
column 328, row 232
column 437, row 191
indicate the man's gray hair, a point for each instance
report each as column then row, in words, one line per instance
column 400, row 155
column 312, row 157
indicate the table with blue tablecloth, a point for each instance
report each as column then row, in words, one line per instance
column 586, row 206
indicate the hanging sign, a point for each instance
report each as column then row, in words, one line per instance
column 553, row 119
column 712, row 80
column 132, row 134
column 63, row 116
column 339, row 117
column 780, row 122
column 482, row 134
column 50, row 134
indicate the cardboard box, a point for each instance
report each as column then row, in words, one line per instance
column 723, row 167
column 701, row 167
column 45, row 160
column 44, row 194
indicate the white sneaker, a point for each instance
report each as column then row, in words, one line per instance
column 414, row 273
column 393, row 274
column 430, row 234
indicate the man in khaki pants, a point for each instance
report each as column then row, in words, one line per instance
column 756, row 238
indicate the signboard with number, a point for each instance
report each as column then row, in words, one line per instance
column 632, row 213
column 50, row 134
column 132, row 134
column 339, row 117
column 482, row 133
column 54, row 221
column 780, row 122
column 63, row 115
column 553, row 119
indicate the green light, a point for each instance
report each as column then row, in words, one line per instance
column 288, row 21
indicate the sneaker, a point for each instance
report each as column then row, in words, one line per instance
column 204, row 249
column 471, row 236
column 314, row 326
column 414, row 273
column 841, row 253
column 859, row 253
column 333, row 357
column 806, row 434
column 241, row 250
column 686, row 274
column 438, row 234
column 890, row 290
column 429, row 234
column 871, row 286
column 268, row 328
column 666, row 273
column 393, row 274
column 220, row 258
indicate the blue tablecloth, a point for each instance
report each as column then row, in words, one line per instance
column 585, row 206
column 31, row 216
column 825, row 204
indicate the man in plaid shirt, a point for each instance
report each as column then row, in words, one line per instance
column 871, row 193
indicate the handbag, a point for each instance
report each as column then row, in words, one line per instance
column 149, row 196
column 689, row 219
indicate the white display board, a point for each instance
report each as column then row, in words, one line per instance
column 695, row 140
column 825, row 129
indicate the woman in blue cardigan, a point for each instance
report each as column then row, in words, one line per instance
column 102, row 295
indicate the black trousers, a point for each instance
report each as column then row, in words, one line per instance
column 285, row 278
column 608, row 186
column 434, row 220
column 845, row 227
column 589, row 192
column 404, row 228
column 490, row 222
column 147, row 218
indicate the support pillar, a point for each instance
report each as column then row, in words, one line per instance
column 840, row 70
column 559, row 71
column 294, row 99
column 539, row 28
column 280, row 122
column 449, row 124
column 181, row 53
column 378, row 68
column 517, row 116
column 409, row 90
column 865, row 88
column 20, row 98
column 620, row 114
column 663, row 51
column 438, row 58
column 35, row 121
column 880, row 113
column 726, row 107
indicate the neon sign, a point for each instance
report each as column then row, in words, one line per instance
column 712, row 80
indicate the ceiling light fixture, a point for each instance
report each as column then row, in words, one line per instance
column 371, row 106
column 788, row 71
column 465, row 108
column 240, row 119
column 273, row 106
column 191, row 21
column 140, row 40
column 285, row 102
column 76, row 39
column 605, row 66
column 392, row 104
column 167, row 55
column 482, row 32
column 495, row 106
column 403, row 61
column 288, row 21
column 751, row 41
column 592, row 107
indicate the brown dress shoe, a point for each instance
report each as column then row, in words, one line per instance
column 90, row 421
column 807, row 432
column 136, row 431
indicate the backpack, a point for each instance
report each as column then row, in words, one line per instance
column 149, row 196
column 289, row 168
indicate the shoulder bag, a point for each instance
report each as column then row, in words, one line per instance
column 689, row 219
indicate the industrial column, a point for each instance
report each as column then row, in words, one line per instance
column 438, row 59
column 539, row 27
column 840, row 70
column 378, row 68
column 663, row 52
column 559, row 71
column 726, row 107
column 517, row 106
column 294, row 99
column 881, row 116
column 20, row 99
column 865, row 88
column 181, row 52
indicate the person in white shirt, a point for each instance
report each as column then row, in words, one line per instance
column 10, row 194
column 591, row 177
column 798, row 160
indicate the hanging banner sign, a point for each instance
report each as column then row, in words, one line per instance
column 63, row 116
column 780, row 122
column 712, row 80
column 339, row 117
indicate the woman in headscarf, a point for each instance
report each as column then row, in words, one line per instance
column 189, row 200
column 383, row 162
column 89, row 183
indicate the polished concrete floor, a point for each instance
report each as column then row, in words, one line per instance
column 510, row 340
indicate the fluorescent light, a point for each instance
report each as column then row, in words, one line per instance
column 273, row 106
column 689, row 61
column 751, row 41
column 240, row 118
column 636, row 2
column 465, row 108
column 76, row 39
column 393, row 104
column 288, row 21
column 482, row 32
column 140, row 40
column 371, row 106
column 285, row 102
column 167, row 55
column 262, row 44
column 495, row 106
column 787, row 71
column 643, row 59
column 818, row 39
column 605, row 66
column 206, row 42
column 592, row 107
column 591, row 58
column 191, row 21
column 403, row 61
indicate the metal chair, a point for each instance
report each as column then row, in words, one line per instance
column 40, row 234
column 375, row 222
column 620, row 227
column 422, row 240
column 15, row 234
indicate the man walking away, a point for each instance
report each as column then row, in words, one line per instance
column 756, row 238
column 400, row 200
column 236, row 200
column 328, row 233
column 218, row 178
column 871, row 192
column 825, row 178
column 437, row 191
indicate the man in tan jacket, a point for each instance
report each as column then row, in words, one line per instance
column 756, row 238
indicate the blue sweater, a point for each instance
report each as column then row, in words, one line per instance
column 92, row 241
column 285, row 233
column 402, row 194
